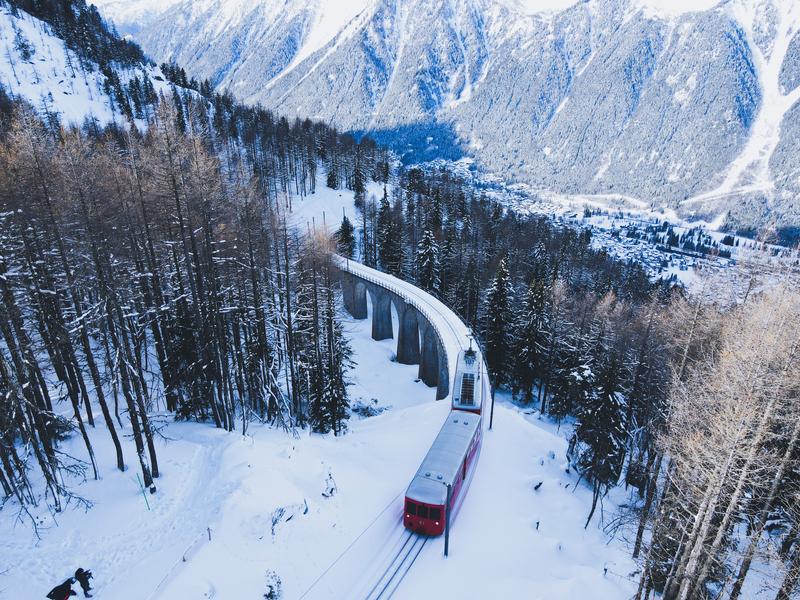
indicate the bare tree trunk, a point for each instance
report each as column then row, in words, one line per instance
column 763, row 513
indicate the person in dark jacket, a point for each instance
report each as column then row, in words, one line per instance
column 83, row 578
column 63, row 591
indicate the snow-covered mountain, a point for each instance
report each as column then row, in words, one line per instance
column 689, row 105
column 63, row 82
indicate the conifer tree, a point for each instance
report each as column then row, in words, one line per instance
column 346, row 238
column 530, row 339
column 435, row 218
column 390, row 249
column 498, row 321
column 597, row 447
column 428, row 263
column 447, row 269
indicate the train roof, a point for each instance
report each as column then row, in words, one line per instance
column 441, row 464
column 468, row 383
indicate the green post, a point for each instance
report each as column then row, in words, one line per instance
column 141, row 487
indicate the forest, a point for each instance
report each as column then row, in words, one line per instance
column 151, row 272
column 688, row 401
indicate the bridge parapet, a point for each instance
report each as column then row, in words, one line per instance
column 426, row 334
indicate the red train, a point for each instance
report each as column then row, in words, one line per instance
column 453, row 456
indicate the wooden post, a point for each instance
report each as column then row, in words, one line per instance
column 447, row 522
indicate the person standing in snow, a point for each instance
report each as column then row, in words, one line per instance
column 63, row 591
column 83, row 578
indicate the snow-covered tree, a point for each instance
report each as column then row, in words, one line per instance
column 428, row 263
column 530, row 339
column 498, row 319
column 597, row 446
column 389, row 238
column 346, row 238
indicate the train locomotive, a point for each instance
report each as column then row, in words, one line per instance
column 452, row 458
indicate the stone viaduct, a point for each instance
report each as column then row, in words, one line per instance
column 418, row 341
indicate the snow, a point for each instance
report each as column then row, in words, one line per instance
column 665, row 9
column 264, row 500
column 496, row 534
column 52, row 80
column 533, row 7
column 47, row 78
column 345, row 33
column 671, row 9
column 750, row 171
column 234, row 485
column 331, row 18
column 127, row 11
column 325, row 207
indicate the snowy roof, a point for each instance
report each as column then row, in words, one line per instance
column 444, row 459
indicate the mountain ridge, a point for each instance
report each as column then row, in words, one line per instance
column 599, row 97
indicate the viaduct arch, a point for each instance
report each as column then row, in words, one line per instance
column 418, row 340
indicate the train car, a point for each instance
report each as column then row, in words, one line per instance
column 468, row 383
column 450, row 461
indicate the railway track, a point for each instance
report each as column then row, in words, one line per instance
column 410, row 547
column 422, row 301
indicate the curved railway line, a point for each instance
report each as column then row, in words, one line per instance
column 390, row 568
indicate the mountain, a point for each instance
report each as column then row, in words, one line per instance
column 691, row 108
column 62, row 59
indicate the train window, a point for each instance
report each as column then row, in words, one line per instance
column 422, row 511
column 436, row 514
column 411, row 508
column 468, row 389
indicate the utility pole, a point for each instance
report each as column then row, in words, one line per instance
column 491, row 412
column 447, row 522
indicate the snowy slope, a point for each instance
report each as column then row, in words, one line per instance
column 261, row 497
column 37, row 66
column 666, row 102
column 236, row 486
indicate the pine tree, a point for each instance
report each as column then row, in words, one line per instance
column 468, row 291
column 346, row 238
column 390, row 248
column 530, row 339
column 435, row 218
column 498, row 325
column 332, row 179
column 335, row 396
column 428, row 263
column 180, row 119
column 597, row 447
column 448, row 269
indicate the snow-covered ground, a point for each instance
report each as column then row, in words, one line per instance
column 750, row 171
column 36, row 65
column 236, row 486
column 265, row 501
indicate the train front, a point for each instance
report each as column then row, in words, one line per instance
column 424, row 510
